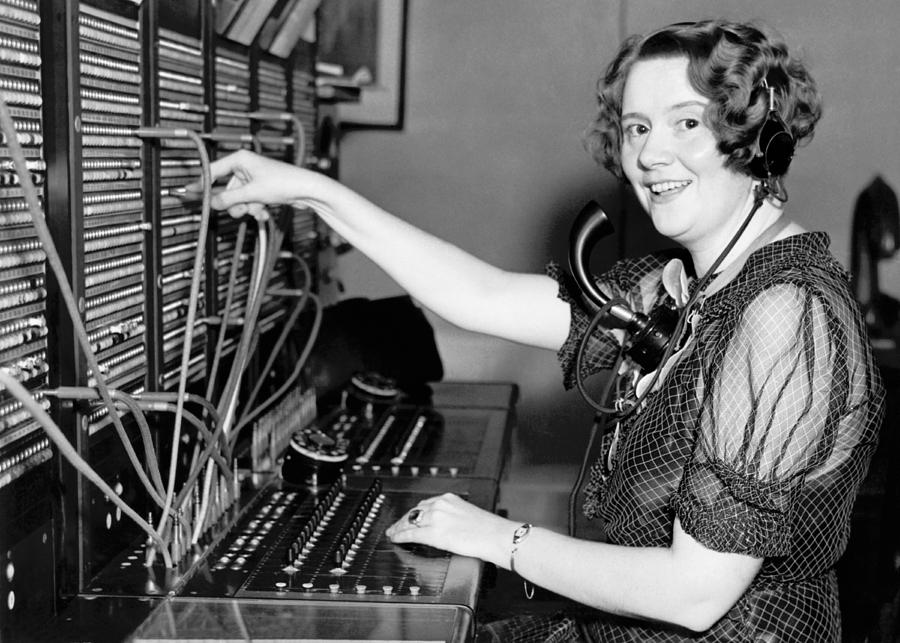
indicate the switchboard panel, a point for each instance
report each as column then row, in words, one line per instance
column 23, row 321
column 182, row 104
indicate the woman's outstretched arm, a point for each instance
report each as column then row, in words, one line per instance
column 459, row 287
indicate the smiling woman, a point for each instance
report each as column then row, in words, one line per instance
column 725, row 489
column 671, row 157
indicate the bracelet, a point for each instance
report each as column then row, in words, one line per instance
column 520, row 534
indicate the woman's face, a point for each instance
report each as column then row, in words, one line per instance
column 670, row 157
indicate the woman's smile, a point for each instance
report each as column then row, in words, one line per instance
column 663, row 191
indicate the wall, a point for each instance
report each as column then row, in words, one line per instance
column 490, row 157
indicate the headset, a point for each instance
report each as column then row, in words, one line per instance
column 774, row 144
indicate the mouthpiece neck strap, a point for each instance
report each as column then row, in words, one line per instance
column 732, row 269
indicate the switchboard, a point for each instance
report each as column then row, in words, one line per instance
column 161, row 440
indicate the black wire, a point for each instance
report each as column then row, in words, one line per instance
column 582, row 349
column 592, row 438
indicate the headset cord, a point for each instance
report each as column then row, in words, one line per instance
column 596, row 425
column 579, row 360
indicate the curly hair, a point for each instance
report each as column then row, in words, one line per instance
column 729, row 63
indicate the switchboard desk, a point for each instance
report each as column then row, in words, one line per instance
column 311, row 563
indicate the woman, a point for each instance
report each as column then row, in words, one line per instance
column 727, row 486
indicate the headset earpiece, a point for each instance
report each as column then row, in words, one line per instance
column 774, row 144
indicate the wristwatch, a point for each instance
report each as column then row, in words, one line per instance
column 520, row 534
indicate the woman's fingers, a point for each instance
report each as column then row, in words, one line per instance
column 434, row 521
column 234, row 163
column 238, row 198
column 414, row 518
column 255, row 181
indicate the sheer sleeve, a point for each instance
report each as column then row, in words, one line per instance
column 601, row 349
column 764, row 424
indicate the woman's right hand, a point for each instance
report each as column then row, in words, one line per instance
column 257, row 180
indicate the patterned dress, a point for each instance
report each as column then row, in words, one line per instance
column 757, row 438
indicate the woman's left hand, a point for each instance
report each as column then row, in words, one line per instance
column 450, row 523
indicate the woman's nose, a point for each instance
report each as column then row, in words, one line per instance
column 656, row 150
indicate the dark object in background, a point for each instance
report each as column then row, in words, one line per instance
column 316, row 454
column 389, row 336
column 875, row 237
column 869, row 570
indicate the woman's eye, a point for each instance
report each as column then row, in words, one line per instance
column 636, row 129
column 689, row 123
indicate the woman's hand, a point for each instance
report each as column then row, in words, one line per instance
column 450, row 523
column 257, row 180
